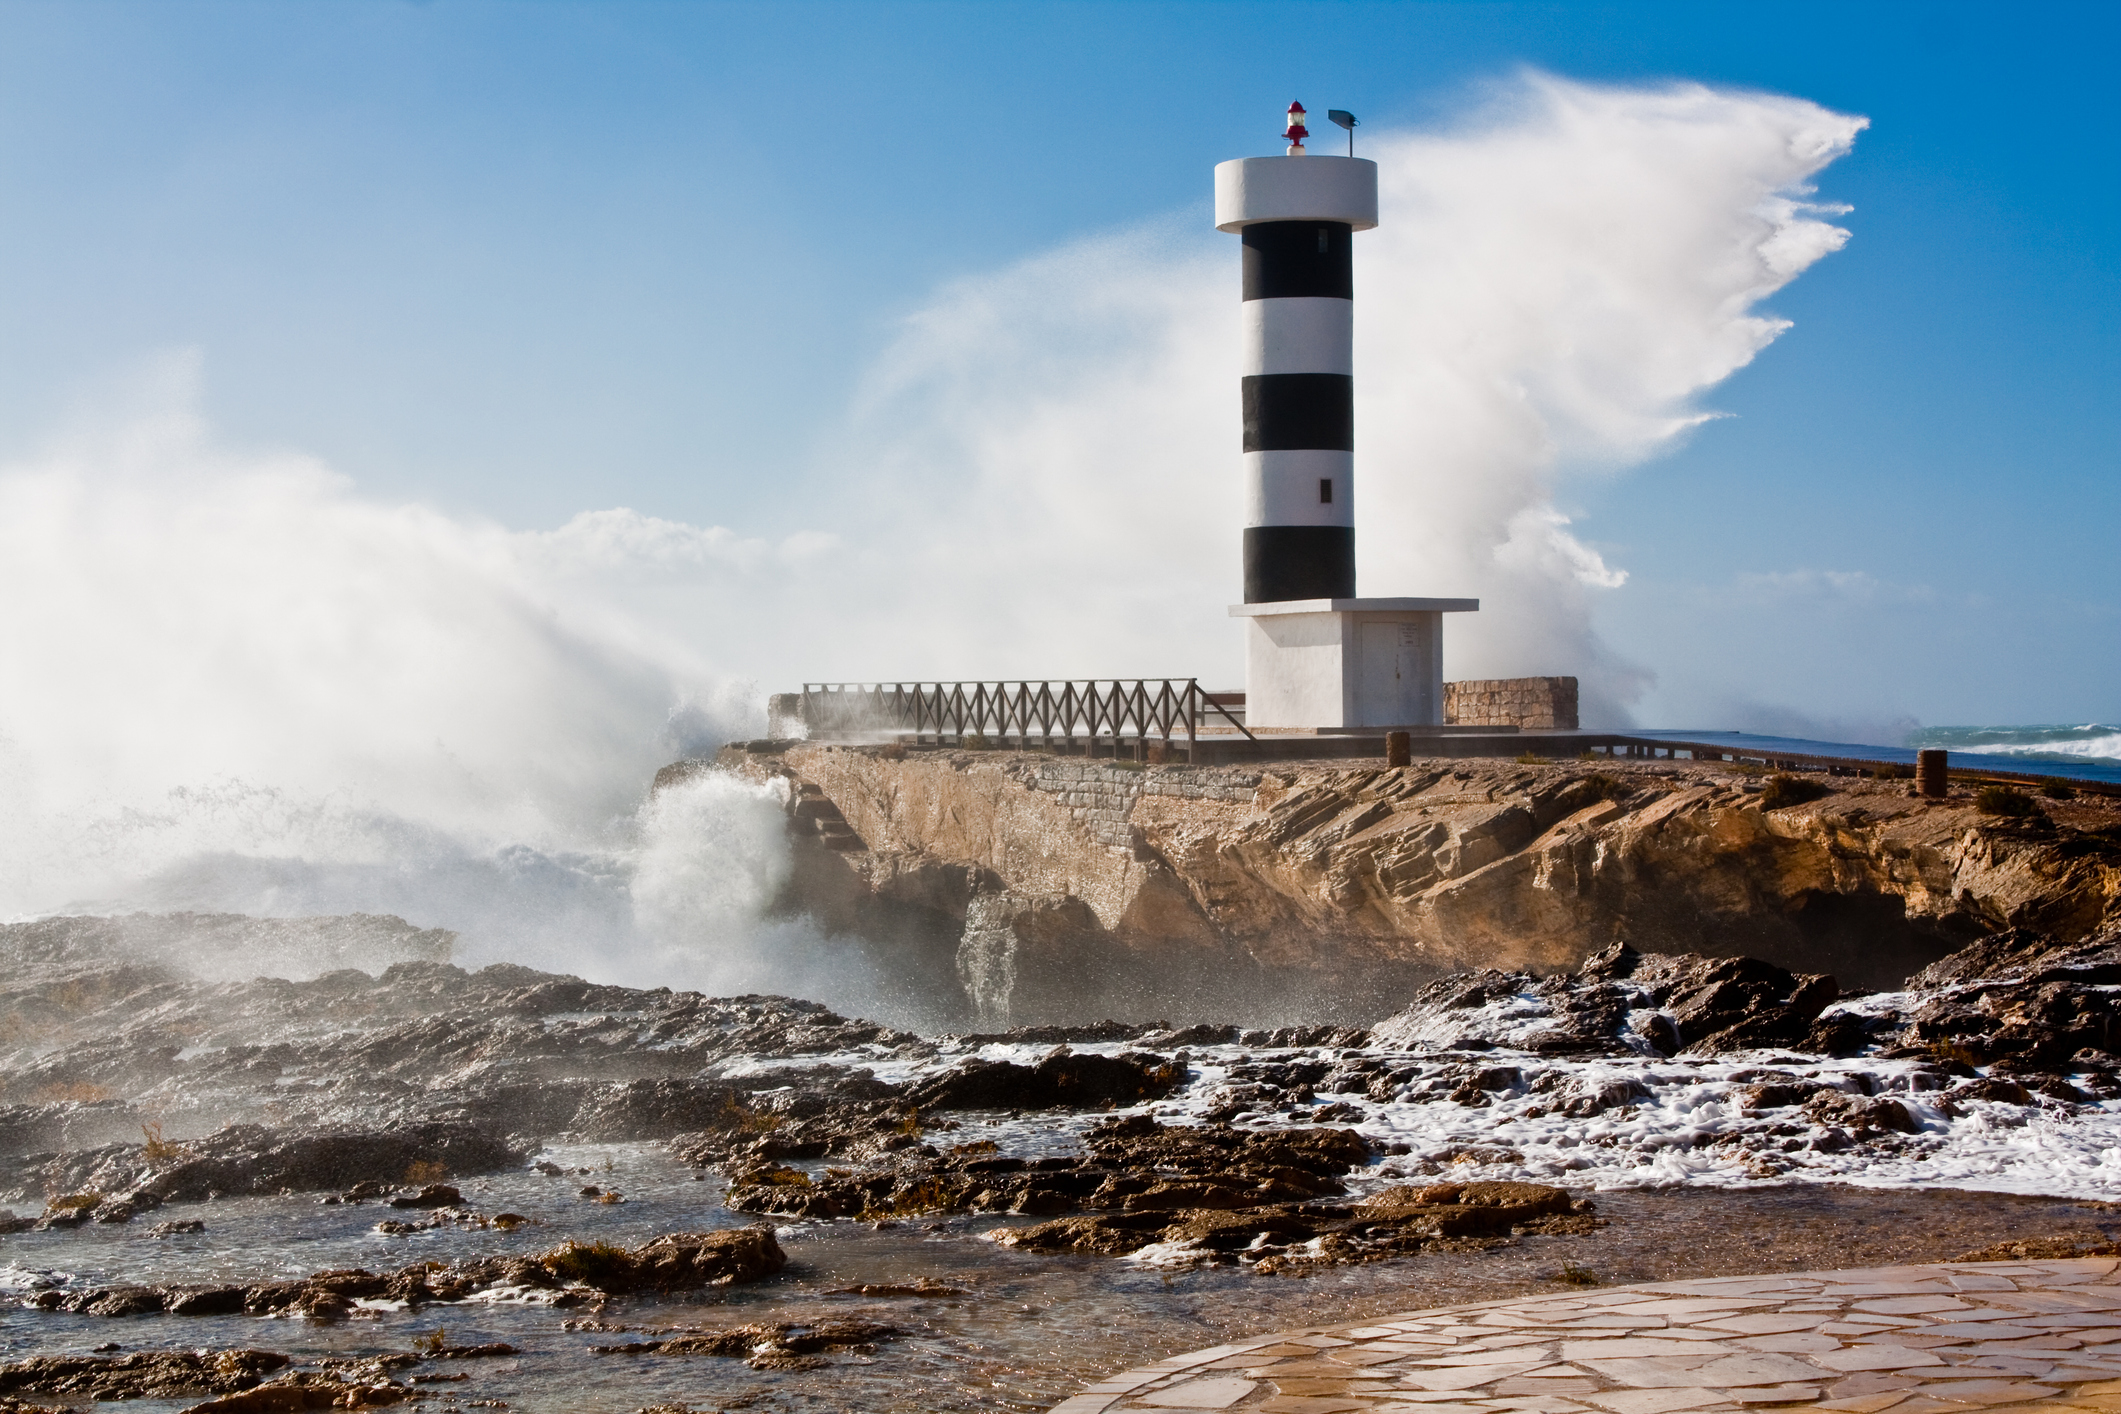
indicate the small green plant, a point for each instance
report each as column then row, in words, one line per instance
column 1889, row 771
column 975, row 741
column 588, row 1263
column 157, row 1149
column 1573, row 1275
column 1782, row 790
column 2059, row 790
column 433, row 1343
column 929, row 1195
column 1531, row 758
column 2006, row 801
column 73, row 1202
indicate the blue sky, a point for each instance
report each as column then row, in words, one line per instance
column 523, row 260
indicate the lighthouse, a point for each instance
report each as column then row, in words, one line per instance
column 1316, row 655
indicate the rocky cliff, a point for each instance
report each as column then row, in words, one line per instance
column 1043, row 887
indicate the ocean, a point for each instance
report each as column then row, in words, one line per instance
column 2091, row 752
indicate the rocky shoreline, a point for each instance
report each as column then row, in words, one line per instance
column 1492, row 1112
column 1031, row 887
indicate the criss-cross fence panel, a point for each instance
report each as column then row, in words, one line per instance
column 1101, row 707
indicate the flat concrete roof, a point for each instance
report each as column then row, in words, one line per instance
column 1356, row 606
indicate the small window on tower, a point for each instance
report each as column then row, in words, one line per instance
column 1325, row 490
column 1322, row 235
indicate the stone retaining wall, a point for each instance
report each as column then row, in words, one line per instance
column 1101, row 795
column 1530, row 703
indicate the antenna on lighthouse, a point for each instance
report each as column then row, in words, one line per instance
column 1296, row 132
column 1342, row 118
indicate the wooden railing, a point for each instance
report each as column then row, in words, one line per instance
column 1100, row 708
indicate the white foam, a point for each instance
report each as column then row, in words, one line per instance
column 1693, row 1128
column 2095, row 748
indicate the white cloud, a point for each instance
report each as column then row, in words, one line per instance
column 1854, row 587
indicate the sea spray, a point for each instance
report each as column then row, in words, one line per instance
column 2092, row 743
column 242, row 685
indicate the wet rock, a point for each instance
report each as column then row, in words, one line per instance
column 102, row 1301
column 1131, row 1162
column 1593, row 1096
column 769, row 1346
column 2027, row 956
column 1859, row 1113
column 126, row 1301
column 1998, row 1088
column 305, row 1391
column 1721, row 1004
column 1465, row 1209
column 2044, row 1249
column 1782, row 1093
column 247, row 1159
column 1297, row 1037
column 1101, row 1234
column 1840, row 1034
column 1061, row 1081
column 2019, row 999
column 170, row 1374
column 434, row 1195
column 925, row 1286
column 402, row 1078
column 1620, row 1002
column 847, row 1113
column 205, row 1301
column 676, row 1262
column 1199, row 1034
column 650, row 1109
column 1287, row 1237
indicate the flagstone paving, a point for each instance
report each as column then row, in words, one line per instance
column 1958, row 1337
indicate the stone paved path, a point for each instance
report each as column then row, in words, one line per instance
column 1914, row 1340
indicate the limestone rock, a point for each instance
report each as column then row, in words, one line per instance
column 1051, row 887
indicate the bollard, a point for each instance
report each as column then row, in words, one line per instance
column 1931, row 778
column 1399, row 749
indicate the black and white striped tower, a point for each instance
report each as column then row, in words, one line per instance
column 1316, row 657
column 1297, row 216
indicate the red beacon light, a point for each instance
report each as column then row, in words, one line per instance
column 1296, row 132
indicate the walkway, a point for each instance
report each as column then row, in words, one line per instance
column 1914, row 1340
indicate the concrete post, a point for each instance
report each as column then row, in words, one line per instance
column 1931, row 777
column 1399, row 749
